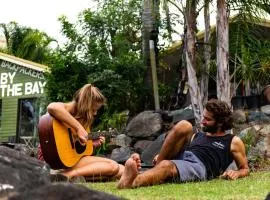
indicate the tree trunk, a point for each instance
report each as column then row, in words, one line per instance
column 207, row 54
column 179, row 98
column 190, row 59
column 149, row 31
column 223, row 77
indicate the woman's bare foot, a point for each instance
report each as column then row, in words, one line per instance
column 130, row 172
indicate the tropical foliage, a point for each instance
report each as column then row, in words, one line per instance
column 103, row 48
column 250, row 54
column 27, row 43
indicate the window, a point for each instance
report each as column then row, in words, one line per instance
column 27, row 117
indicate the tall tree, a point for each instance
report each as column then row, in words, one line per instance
column 150, row 26
column 194, row 90
column 207, row 54
column 223, row 73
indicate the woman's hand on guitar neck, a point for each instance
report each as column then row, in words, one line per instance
column 99, row 141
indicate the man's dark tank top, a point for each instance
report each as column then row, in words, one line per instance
column 213, row 151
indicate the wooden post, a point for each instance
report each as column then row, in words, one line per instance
column 154, row 74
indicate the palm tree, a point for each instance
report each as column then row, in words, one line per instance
column 34, row 46
column 26, row 43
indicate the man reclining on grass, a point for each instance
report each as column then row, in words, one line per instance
column 185, row 156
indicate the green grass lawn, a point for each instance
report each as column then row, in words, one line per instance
column 254, row 187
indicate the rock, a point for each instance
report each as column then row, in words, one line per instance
column 149, row 153
column 239, row 117
column 121, row 155
column 123, row 140
column 25, row 177
column 257, row 142
column 266, row 109
column 20, row 172
column 249, row 136
column 255, row 116
column 232, row 166
column 141, row 145
column 145, row 124
column 183, row 114
column 63, row 191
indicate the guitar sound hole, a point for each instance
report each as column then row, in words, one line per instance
column 79, row 147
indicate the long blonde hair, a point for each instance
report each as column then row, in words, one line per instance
column 85, row 99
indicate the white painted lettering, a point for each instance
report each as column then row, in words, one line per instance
column 35, row 89
column 28, row 88
column 3, row 88
column 18, row 89
column 4, row 78
column 41, row 85
column 21, row 69
column 11, row 76
column 10, row 90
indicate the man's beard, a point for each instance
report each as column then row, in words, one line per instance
column 210, row 129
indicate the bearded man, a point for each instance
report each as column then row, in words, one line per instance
column 186, row 156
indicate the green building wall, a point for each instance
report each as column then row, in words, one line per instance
column 16, row 82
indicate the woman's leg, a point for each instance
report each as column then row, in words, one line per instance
column 95, row 167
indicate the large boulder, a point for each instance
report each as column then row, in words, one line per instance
column 20, row 172
column 152, row 150
column 25, row 178
column 141, row 145
column 145, row 124
column 63, row 191
column 255, row 116
column 239, row 117
column 121, row 154
column 123, row 140
column 183, row 114
column 257, row 141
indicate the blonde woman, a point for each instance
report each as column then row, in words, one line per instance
column 79, row 115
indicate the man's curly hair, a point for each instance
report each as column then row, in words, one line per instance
column 221, row 113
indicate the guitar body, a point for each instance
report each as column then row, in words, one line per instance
column 59, row 147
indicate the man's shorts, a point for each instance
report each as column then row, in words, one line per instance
column 190, row 168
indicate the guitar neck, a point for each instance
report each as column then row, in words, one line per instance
column 94, row 135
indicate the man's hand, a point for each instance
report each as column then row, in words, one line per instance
column 155, row 160
column 230, row 175
column 99, row 141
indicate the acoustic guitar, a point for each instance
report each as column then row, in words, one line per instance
column 60, row 148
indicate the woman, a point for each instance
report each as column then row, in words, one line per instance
column 79, row 116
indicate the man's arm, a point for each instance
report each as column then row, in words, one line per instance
column 239, row 155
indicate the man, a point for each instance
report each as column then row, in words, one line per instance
column 185, row 156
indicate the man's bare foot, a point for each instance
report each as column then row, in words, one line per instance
column 130, row 172
column 137, row 159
